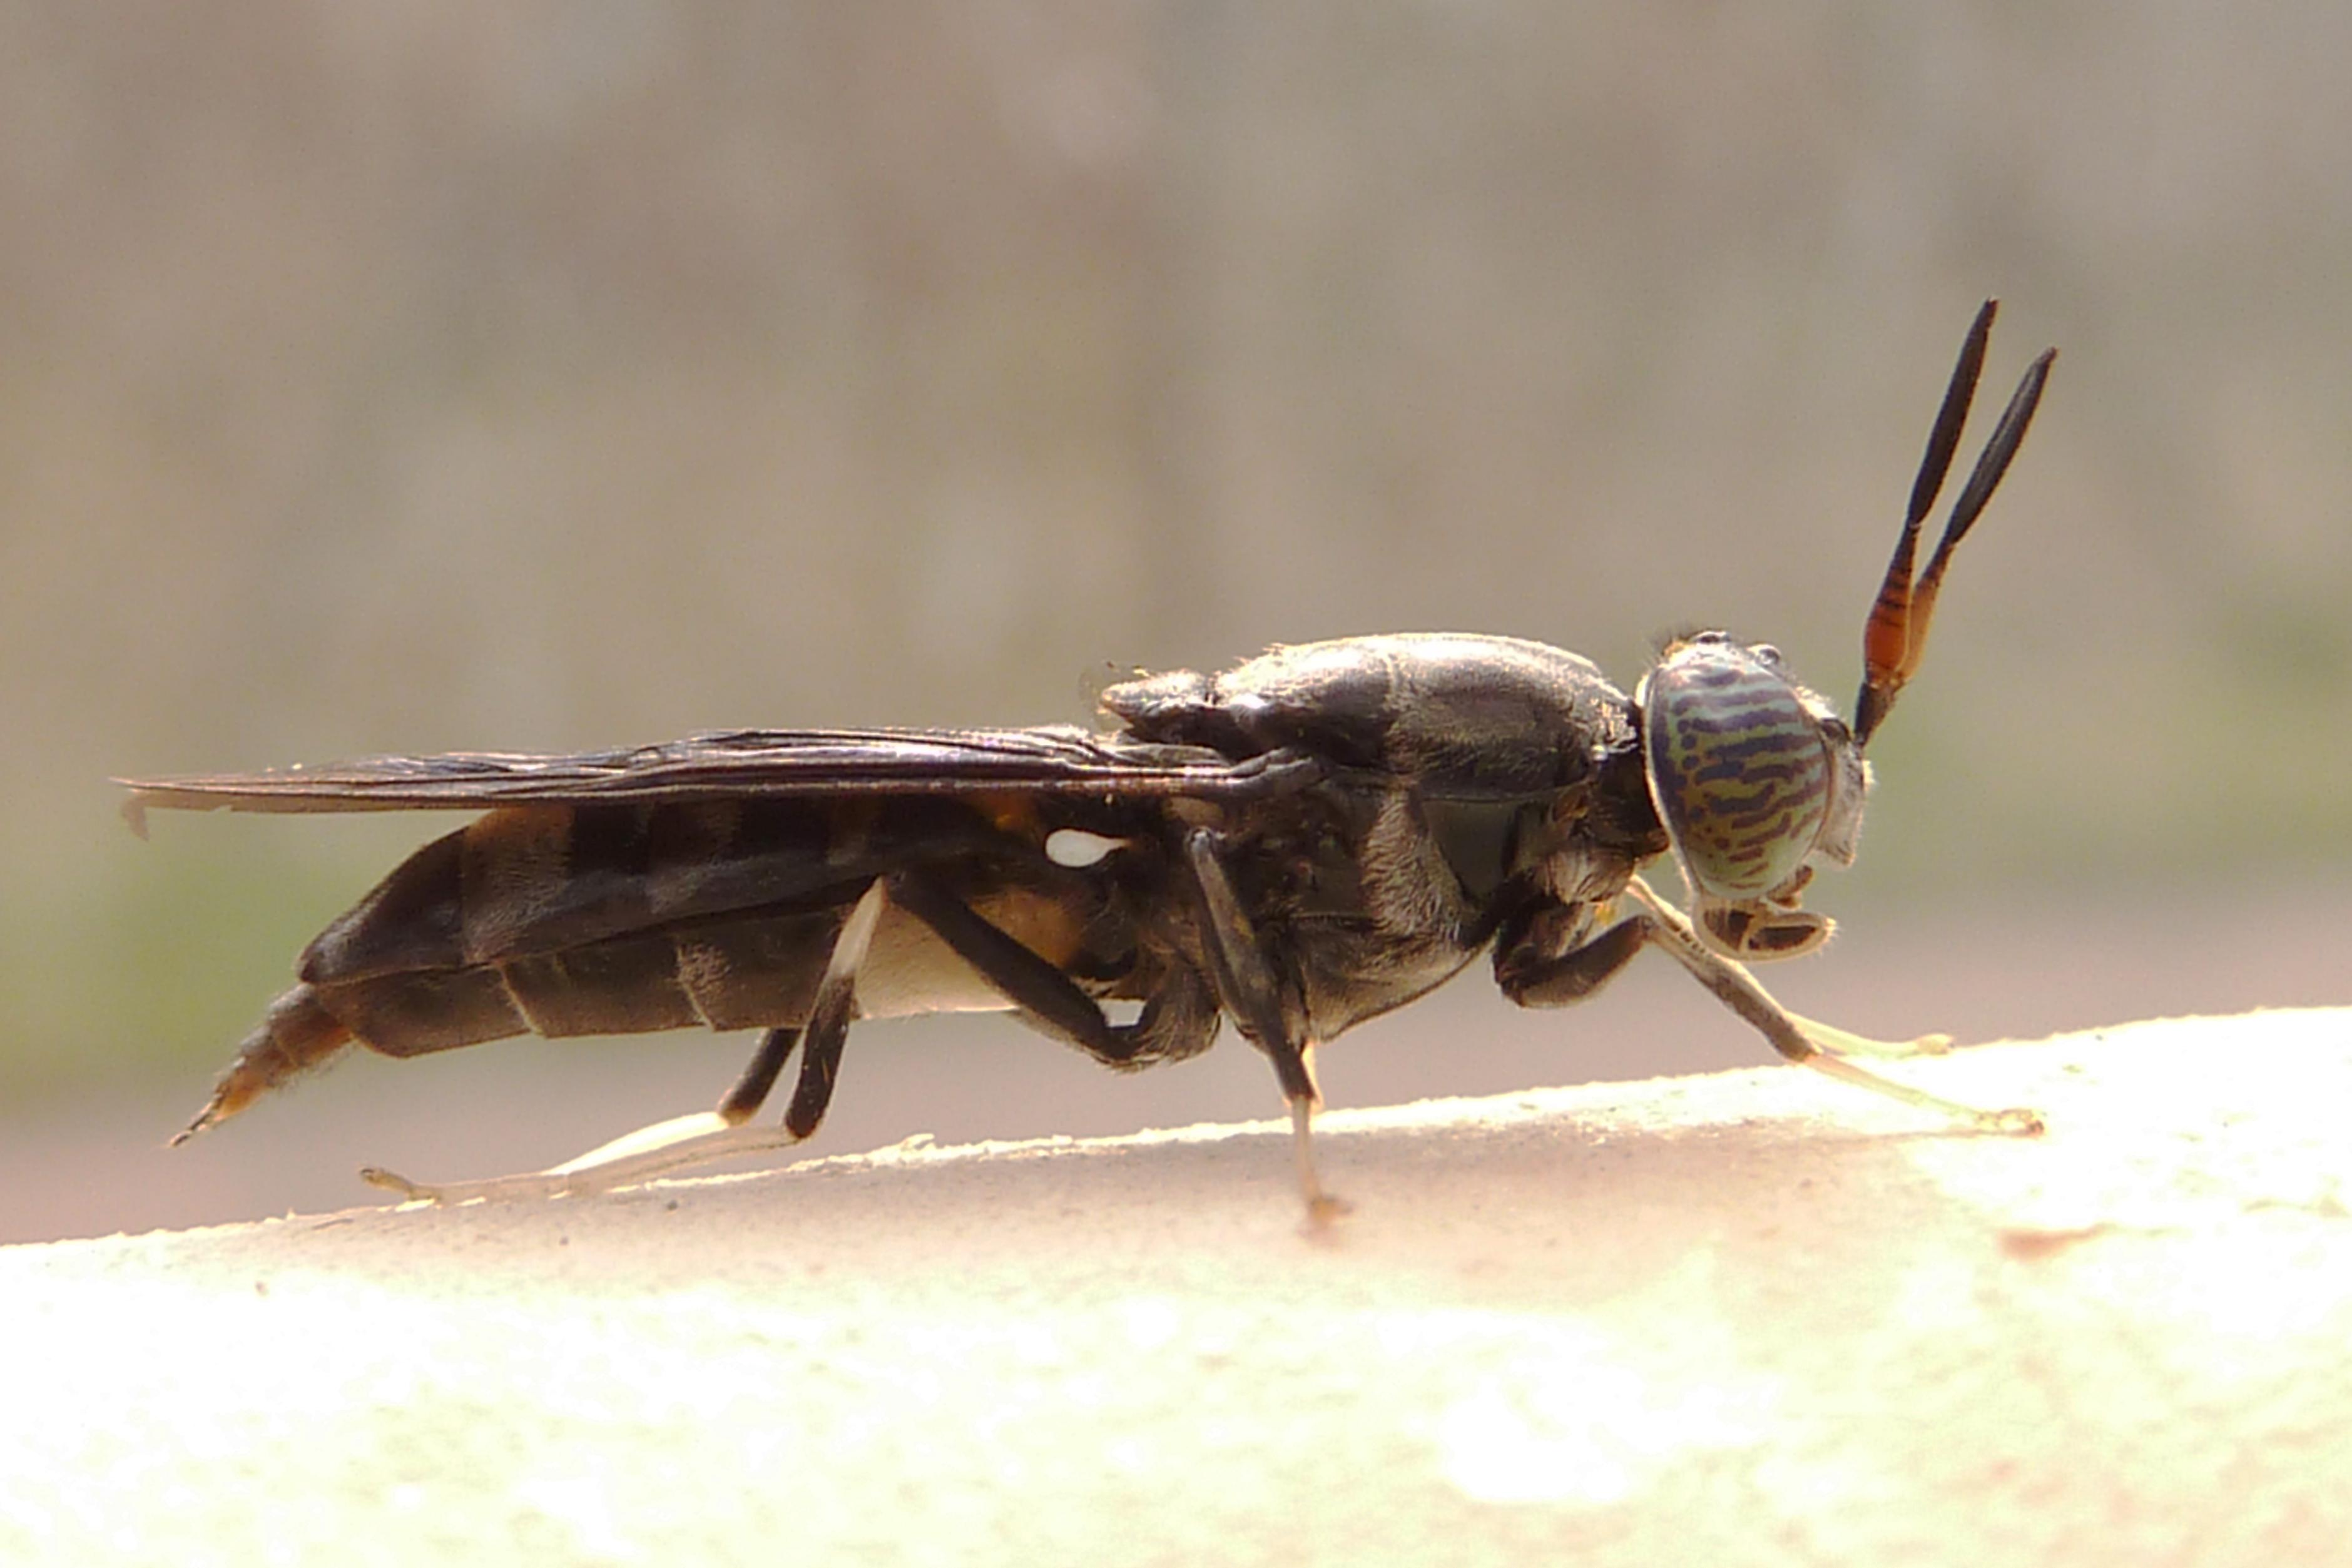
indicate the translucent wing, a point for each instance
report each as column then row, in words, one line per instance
column 746, row 763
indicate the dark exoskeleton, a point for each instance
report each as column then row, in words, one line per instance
column 1308, row 840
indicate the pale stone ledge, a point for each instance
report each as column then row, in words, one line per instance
column 1752, row 1317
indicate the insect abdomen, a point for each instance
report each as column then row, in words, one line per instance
column 628, row 919
column 759, row 969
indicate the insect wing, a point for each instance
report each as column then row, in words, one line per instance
column 746, row 763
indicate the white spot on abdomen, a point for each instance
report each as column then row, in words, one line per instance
column 1076, row 848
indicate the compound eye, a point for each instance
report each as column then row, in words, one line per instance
column 1737, row 769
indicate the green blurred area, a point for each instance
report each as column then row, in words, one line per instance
column 165, row 956
column 442, row 376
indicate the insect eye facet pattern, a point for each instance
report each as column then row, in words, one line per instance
column 1741, row 766
column 1309, row 839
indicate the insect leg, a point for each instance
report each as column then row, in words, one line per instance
column 1175, row 1023
column 705, row 1137
column 1737, row 989
column 743, row 1101
column 1247, row 985
column 1533, row 973
column 835, row 1004
column 1845, row 1043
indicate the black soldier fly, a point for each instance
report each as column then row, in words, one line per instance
column 1308, row 840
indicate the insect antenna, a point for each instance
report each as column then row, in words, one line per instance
column 1895, row 637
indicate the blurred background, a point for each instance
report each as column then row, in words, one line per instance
column 445, row 377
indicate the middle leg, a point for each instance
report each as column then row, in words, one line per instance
column 1249, row 989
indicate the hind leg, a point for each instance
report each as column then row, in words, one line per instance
column 708, row 1136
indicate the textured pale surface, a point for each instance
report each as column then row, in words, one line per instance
column 1749, row 1317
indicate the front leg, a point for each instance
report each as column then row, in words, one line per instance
column 1548, row 956
column 1794, row 1038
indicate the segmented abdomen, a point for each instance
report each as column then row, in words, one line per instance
column 565, row 920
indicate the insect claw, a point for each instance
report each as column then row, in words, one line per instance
column 1324, row 1210
column 393, row 1182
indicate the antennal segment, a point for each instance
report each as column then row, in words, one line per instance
column 1895, row 637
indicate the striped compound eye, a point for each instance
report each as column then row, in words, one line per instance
column 1740, row 767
